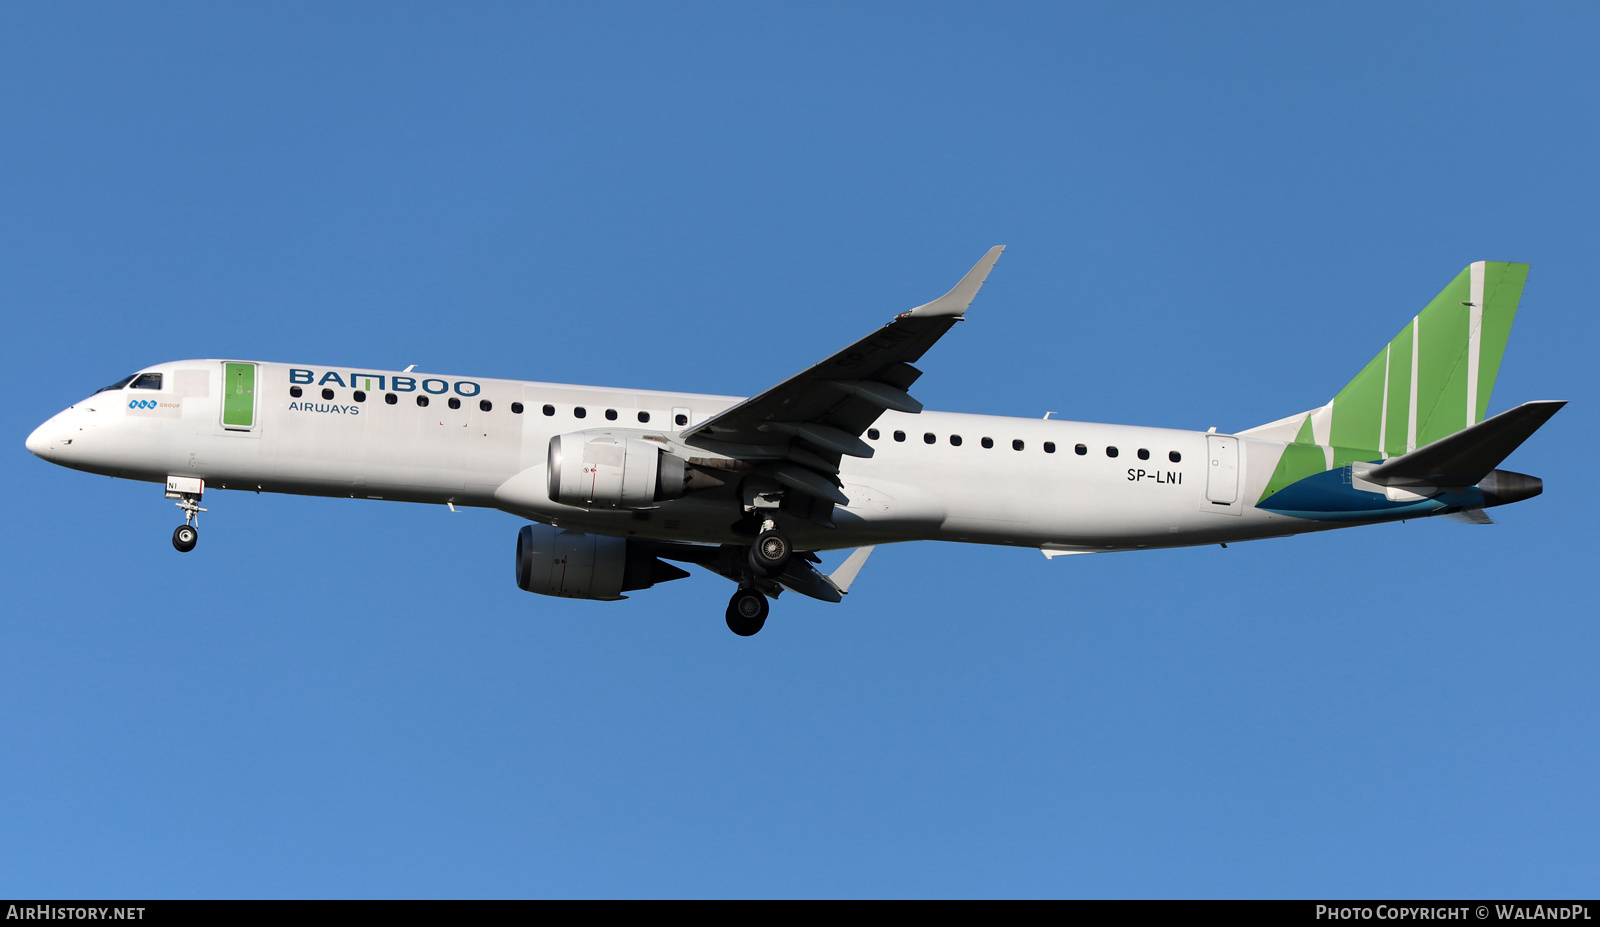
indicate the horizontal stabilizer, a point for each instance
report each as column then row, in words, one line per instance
column 1466, row 457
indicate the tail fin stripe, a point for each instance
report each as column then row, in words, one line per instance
column 1383, row 410
column 1399, row 376
column 1474, row 340
column 1502, row 291
column 1411, row 415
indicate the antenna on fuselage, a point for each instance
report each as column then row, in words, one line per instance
column 409, row 369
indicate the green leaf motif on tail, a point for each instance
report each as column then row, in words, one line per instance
column 1434, row 379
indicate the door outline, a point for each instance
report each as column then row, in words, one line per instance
column 1222, row 471
column 240, row 397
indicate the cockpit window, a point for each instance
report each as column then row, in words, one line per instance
column 119, row 384
column 147, row 381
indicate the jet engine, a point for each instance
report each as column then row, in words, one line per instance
column 576, row 565
column 604, row 471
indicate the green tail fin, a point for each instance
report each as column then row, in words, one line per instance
column 1436, row 376
column 1434, row 379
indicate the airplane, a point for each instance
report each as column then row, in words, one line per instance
column 618, row 485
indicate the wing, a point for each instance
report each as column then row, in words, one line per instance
column 797, row 431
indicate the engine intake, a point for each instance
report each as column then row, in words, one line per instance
column 577, row 565
column 604, row 471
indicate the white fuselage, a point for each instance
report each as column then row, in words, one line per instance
column 1162, row 488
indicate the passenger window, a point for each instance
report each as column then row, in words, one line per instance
column 455, row 403
column 1174, row 456
column 1049, row 447
column 872, row 434
column 422, row 401
column 987, row 442
column 1111, row 452
column 1080, row 450
column 549, row 410
column 928, row 438
column 681, row 419
column 611, row 415
column 295, row 391
column 1144, row 454
column 899, row 436
column 147, row 381
column 485, row 405
column 579, row 411
column 644, row 416
column 327, row 394
column 361, row 396
column 1016, row 445
column 390, row 398
column 955, row 440
column 516, row 408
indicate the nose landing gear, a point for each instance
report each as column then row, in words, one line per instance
column 187, row 490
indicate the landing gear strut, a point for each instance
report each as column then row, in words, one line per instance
column 187, row 491
column 747, row 611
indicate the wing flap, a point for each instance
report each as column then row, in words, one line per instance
column 846, row 573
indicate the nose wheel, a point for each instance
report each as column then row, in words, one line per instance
column 187, row 491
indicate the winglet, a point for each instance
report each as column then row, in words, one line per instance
column 960, row 297
column 846, row 573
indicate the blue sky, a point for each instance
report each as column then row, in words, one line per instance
column 1215, row 216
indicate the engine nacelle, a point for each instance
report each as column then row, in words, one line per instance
column 604, row 471
column 577, row 565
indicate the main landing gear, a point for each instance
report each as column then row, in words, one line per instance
column 747, row 611
column 766, row 560
column 187, row 490
column 770, row 553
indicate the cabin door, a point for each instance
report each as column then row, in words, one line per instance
column 239, row 397
column 1222, row 469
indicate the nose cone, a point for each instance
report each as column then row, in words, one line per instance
column 39, row 441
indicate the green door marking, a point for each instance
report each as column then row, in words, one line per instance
column 239, row 395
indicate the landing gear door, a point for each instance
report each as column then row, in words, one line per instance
column 1222, row 473
column 239, row 383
